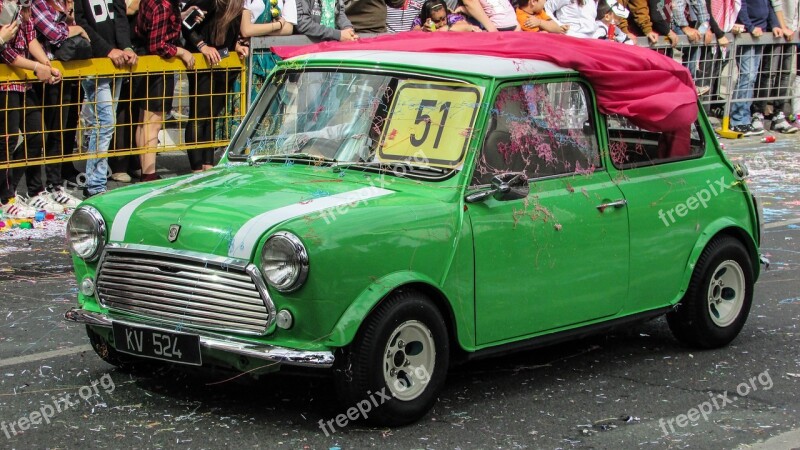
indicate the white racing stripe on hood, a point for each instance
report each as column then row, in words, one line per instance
column 247, row 236
column 123, row 216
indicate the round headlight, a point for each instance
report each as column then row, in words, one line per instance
column 284, row 262
column 86, row 231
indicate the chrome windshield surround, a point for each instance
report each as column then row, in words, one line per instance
column 185, row 289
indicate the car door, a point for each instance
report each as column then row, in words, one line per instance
column 668, row 185
column 559, row 255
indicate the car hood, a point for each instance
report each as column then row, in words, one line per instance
column 225, row 211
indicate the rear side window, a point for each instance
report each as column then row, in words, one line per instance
column 631, row 146
column 541, row 129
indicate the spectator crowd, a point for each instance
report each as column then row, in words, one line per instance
column 35, row 32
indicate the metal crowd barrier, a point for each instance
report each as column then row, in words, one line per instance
column 74, row 115
column 712, row 66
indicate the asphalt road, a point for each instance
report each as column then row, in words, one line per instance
column 623, row 390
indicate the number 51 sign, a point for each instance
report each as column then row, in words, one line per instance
column 430, row 121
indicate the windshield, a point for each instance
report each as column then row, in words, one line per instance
column 360, row 119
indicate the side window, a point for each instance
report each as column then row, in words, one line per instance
column 541, row 129
column 631, row 146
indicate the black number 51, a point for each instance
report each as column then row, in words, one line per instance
column 426, row 119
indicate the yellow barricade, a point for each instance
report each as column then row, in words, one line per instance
column 219, row 107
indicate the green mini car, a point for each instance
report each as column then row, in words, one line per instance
column 384, row 215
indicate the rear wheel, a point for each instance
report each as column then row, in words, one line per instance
column 717, row 303
column 397, row 363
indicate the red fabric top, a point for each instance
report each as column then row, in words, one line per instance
column 655, row 92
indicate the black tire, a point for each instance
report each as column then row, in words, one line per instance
column 361, row 372
column 712, row 314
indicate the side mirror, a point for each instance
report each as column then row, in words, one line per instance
column 505, row 186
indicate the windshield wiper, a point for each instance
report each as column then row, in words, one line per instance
column 302, row 157
column 399, row 168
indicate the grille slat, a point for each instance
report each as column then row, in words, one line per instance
column 184, row 291
column 167, row 282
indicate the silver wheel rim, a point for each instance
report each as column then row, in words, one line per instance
column 726, row 293
column 409, row 359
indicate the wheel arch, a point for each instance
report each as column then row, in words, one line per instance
column 723, row 227
column 353, row 318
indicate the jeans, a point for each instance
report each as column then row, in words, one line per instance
column 100, row 120
column 749, row 58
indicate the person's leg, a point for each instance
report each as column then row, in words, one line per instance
column 68, row 170
column 59, row 97
column 123, row 133
column 33, row 144
column 748, row 62
column 199, row 116
column 102, row 95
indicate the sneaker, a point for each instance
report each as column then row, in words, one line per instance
column 65, row 199
column 702, row 90
column 122, row 177
column 780, row 124
column 16, row 208
column 44, row 201
column 757, row 121
column 747, row 130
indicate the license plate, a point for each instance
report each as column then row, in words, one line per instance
column 169, row 346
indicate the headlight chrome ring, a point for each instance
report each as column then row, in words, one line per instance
column 86, row 233
column 284, row 262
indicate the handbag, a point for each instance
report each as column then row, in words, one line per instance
column 75, row 47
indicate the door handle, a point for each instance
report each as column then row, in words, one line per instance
column 615, row 204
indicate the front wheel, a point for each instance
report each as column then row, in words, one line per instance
column 397, row 363
column 716, row 305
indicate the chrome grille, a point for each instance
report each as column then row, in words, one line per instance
column 188, row 291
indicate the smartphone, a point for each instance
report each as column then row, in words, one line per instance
column 223, row 52
column 191, row 20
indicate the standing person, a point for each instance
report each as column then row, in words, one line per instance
column 607, row 26
column 755, row 15
column 54, row 23
column 493, row 15
column 578, row 14
column 258, row 20
column 20, row 109
column 369, row 16
column 324, row 20
column 107, row 27
column 158, row 27
column 208, row 90
column 775, row 73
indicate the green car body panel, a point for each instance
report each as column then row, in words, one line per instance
column 590, row 265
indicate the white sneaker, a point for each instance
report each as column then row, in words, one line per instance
column 16, row 208
column 757, row 121
column 780, row 124
column 44, row 201
column 65, row 199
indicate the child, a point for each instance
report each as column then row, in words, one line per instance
column 435, row 16
column 607, row 27
column 532, row 17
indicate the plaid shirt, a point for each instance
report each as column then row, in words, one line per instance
column 51, row 25
column 15, row 48
column 697, row 11
column 159, row 26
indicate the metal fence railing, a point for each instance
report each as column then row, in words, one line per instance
column 714, row 69
column 74, row 124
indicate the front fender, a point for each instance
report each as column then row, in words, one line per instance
column 711, row 230
column 346, row 328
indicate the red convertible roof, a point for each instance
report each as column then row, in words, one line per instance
column 652, row 90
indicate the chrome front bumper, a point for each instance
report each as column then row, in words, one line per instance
column 281, row 355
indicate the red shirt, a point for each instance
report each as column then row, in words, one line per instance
column 18, row 47
column 159, row 25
